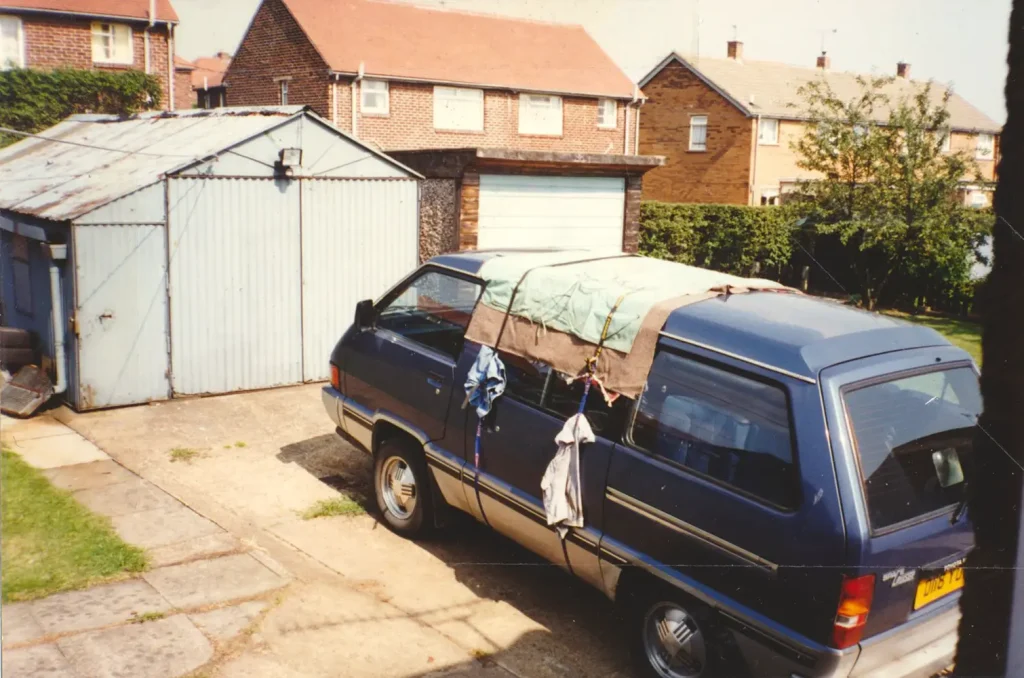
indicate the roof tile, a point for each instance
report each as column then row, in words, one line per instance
column 133, row 9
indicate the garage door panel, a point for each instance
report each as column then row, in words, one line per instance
column 236, row 319
column 543, row 211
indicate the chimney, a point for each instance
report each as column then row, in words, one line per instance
column 824, row 63
column 736, row 50
column 903, row 70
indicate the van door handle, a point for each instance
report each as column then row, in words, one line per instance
column 435, row 380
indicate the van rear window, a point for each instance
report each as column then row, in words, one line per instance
column 914, row 435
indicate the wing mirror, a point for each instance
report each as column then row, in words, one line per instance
column 364, row 314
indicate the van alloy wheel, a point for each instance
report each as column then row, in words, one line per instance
column 398, row 488
column 673, row 642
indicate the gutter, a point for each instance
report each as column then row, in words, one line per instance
column 57, row 253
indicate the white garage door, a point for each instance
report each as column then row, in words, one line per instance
column 538, row 211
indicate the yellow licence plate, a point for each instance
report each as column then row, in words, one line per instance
column 930, row 590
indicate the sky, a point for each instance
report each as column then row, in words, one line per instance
column 957, row 42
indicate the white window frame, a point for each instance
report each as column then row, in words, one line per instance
column 946, row 141
column 531, row 109
column 770, row 196
column 282, row 87
column 374, row 87
column 761, row 139
column 458, row 109
column 607, row 113
column 19, row 60
column 698, row 146
column 986, row 151
column 114, row 57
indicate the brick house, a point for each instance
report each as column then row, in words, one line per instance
column 725, row 127
column 208, row 80
column 109, row 35
column 431, row 81
column 184, row 96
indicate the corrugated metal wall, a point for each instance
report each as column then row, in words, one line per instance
column 121, row 315
column 358, row 238
column 236, row 319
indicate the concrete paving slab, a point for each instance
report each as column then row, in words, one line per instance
column 97, row 607
column 31, row 428
column 207, row 546
column 40, row 661
column 207, row 582
column 54, row 451
column 227, row 622
column 132, row 496
column 19, row 624
column 89, row 475
column 160, row 527
column 159, row 649
column 260, row 666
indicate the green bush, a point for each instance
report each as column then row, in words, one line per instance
column 733, row 238
column 31, row 101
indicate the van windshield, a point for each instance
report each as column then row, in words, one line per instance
column 913, row 435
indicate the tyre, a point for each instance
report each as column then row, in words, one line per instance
column 402, row 488
column 673, row 637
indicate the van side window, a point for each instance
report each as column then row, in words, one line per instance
column 730, row 428
column 434, row 310
column 537, row 384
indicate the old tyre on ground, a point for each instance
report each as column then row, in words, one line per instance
column 402, row 488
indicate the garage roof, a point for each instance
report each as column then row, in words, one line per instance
column 397, row 40
column 88, row 161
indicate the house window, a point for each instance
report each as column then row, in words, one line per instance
column 946, row 137
column 374, row 97
column 607, row 113
column 698, row 132
column 12, row 43
column 768, row 132
column 978, row 199
column 284, row 92
column 22, row 276
column 456, row 108
column 112, row 44
column 770, row 197
column 540, row 114
column 986, row 147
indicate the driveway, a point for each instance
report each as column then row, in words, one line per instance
column 365, row 602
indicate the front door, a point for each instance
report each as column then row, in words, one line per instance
column 404, row 366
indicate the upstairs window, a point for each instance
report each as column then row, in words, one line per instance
column 458, row 108
column 607, row 113
column 698, row 132
column 540, row 114
column 12, row 43
column 986, row 147
column 284, row 92
column 112, row 44
column 946, row 137
column 768, row 132
column 374, row 97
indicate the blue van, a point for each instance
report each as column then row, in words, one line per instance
column 786, row 497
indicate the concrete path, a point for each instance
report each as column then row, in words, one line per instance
column 364, row 602
column 204, row 588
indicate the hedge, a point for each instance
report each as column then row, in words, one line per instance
column 737, row 239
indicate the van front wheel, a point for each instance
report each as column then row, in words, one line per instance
column 402, row 487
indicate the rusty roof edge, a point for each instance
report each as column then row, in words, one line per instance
column 639, row 161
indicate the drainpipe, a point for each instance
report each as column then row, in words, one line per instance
column 636, row 133
column 57, row 253
column 625, row 132
column 145, row 33
column 334, row 99
column 170, row 65
column 753, row 171
column 355, row 100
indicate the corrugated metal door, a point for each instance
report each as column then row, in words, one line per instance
column 540, row 211
column 236, row 319
column 121, row 315
column 359, row 237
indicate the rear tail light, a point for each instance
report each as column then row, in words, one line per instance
column 854, row 605
column 335, row 377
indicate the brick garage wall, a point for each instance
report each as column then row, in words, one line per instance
column 410, row 124
column 439, row 224
column 721, row 174
column 66, row 42
column 276, row 47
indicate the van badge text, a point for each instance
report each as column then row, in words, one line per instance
column 899, row 577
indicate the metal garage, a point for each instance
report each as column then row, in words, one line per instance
column 546, row 211
column 199, row 252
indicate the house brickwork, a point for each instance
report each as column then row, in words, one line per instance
column 184, row 95
column 276, row 49
column 59, row 41
column 719, row 174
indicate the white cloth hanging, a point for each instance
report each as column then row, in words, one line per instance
column 561, row 487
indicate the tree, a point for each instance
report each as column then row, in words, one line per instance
column 888, row 192
column 31, row 101
column 990, row 628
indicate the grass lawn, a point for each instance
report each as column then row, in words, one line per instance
column 962, row 332
column 51, row 542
